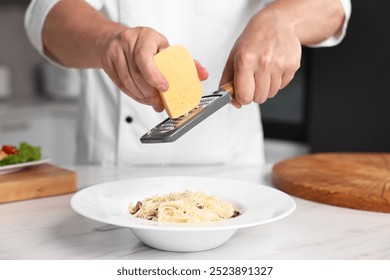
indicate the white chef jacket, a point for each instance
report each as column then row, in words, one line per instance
column 208, row 28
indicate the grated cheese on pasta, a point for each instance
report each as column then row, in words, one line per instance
column 185, row 207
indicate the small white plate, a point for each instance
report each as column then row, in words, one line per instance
column 108, row 203
column 19, row 166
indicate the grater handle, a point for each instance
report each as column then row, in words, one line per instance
column 229, row 87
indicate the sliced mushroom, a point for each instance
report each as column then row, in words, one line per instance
column 235, row 214
column 136, row 208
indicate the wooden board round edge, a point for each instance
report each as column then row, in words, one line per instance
column 353, row 180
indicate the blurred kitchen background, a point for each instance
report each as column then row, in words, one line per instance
column 338, row 101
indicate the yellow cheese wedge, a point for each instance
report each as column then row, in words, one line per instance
column 185, row 88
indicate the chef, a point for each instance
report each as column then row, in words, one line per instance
column 255, row 43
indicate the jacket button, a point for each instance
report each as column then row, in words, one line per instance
column 129, row 119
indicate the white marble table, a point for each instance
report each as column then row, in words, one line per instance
column 48, row 228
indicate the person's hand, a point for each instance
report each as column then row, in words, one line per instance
column 127, row 58
column 263, row 60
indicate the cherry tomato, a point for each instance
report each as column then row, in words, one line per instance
column 9, row 150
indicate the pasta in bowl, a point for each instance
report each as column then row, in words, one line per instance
column 256, row 204
column 184, row 207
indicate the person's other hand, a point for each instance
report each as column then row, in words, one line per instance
column 127, row 58
column 263, row 60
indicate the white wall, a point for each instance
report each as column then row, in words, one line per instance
column 16, row 51
column 50, row 126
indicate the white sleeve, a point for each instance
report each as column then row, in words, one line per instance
column 35, row 17
column 335, row 40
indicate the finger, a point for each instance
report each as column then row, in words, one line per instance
column 125, row 77
column 276, row 81
column 228, row 76
column 158, row 108
column 111, row 71
column 263, row 82
column 138, row 78
column 286, row 79
column 109, row 68
column 236, row 104
column 244, row 84
column 202, row 72
column 143, row 57
column 228, row 72
column 149, row 94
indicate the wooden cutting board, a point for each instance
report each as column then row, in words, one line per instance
column 353, row 180
column 36, row 181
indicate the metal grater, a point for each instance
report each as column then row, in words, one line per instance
column 172, row 129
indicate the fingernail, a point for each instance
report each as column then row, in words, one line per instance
column 162, row 88
column 158, row 109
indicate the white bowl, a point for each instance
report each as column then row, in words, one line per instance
column 108, row 203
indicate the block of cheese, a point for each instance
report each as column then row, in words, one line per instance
column 185, row 88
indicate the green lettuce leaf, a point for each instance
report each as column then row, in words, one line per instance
column 26, row 153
